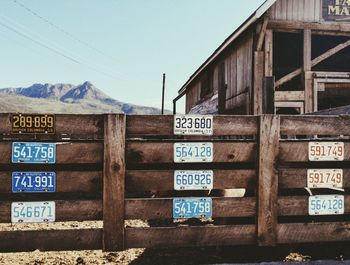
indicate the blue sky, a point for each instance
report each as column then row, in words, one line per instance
column 122, row 47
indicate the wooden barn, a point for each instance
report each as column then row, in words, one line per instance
column 289, row 57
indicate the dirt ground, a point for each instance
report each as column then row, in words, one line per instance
column 212, row 255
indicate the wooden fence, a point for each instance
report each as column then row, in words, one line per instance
column 116, row 168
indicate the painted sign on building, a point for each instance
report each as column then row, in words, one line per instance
column 336, row 10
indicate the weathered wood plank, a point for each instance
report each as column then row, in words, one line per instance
column 190, row 236
column 67, row 126
column 137, row 125
column 309, row 92
column 82, row 210
column 262, row 33
column 296, row 178
column 66, row 181
column 298, row 205
column 311, row 125
column 258, row 82
column 268, row 53
column 147, row 153
column 301, row 25
column 163, row 208
column 298, row 152
column 51, row 240
column 163, row 180
column 66, row 153
column 289, row 95
column 313, row 232
column 268, row 180
column 114, row 182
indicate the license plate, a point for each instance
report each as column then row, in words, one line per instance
column 193, row 180
column 33, row 182
column 192, row 208
column 193, row 152
column 326, row 151
column 42, row 153
column 193, row 125
column 326, row 205
column 32, row 212
column 325, row 178
column 33, row 124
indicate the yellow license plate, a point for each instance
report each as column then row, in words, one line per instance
column 33, row 124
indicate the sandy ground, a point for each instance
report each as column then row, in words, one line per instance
column 213, row 255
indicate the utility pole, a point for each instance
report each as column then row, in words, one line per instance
column 163, row 92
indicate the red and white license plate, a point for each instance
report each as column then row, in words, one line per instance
column 326, row 151
column 325, row 178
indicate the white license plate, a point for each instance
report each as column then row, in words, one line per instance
column 326, row 151
column 193, row 125
column 326, row 205
column 193, row 152
column 32, row 212
column 325, row 178
column 193, row 180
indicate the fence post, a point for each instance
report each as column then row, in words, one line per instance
column 268, row 180
column 114, row 182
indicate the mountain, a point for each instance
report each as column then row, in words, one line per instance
column 65, row 98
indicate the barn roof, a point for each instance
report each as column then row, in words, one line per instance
column 252, row 19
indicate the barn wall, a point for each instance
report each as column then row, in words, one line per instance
column 297, row 10
column 193, row 95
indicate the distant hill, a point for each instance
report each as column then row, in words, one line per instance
column 65, row 98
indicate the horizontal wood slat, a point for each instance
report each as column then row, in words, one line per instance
column 66, row 153
column 313, row 232
column 163, row 208
column 145, row 152
column 89, row 126
column 319, row 125
column 298, row 205
column 83, row 210
column 295, row 178
column 190, row 236
column 298, row 152
column 162, row 180
column 50, row 240
column 163, row 125
column 289, row 96
column 66, row 181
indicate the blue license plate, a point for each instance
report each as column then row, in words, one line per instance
column 192, row 208
column 40, row 153
column 33, row 182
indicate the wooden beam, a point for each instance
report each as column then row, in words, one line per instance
column 262, row 34
column 307, row 50
column 268, row 180
column 314, row 62
column 114, row 182
column 268, row 53
column 258, row 82
column 309, row 92
column 289, row 95
column 299, row 25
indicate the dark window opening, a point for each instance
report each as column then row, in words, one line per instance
column 333, row 95
column 339, row 62
column 207, row 84
column 287, row 57
column 287, row 111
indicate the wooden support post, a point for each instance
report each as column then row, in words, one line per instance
column 307, row 77
column 258, row 82
column 269, row 53
column 268, row 180
column 269, row 95
column 114, row 182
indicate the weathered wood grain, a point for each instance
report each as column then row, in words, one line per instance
column 289, row 95
column 313, row 232
column 298, row 205
column 298, row 151
column 258, row 82
column 268, row 180
column 190, row 236
column 114, row 183
column 147, row 153
column 163, row 180
column 138, row 125
column 66, row 153
column 319, row 125
column 50, row 240
column 163, row 208
column 67, row 126
column 301, row 25
column 81, row 210
column 66, row 181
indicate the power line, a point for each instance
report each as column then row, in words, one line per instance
column 60, row 29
